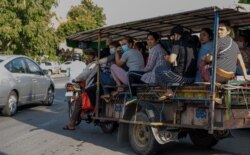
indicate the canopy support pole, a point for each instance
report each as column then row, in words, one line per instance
column 98, row 76
column 213, row 80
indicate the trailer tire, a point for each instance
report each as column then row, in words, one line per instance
column 202, row 138
column 141, row 137
column 108, row 127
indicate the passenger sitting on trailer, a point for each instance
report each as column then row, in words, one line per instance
column 105, row 74
column 133, row 60
column 88, row 75
column 206, row 37
column 243, row 45
column 182, row 60
column 227, row 56
column 140, row 46
column 155, row 59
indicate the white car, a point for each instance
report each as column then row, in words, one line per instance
column 51, row 66
column 64, row 66
column 22, row 81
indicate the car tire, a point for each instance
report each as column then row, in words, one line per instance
column 10, row 108
column 50, row 96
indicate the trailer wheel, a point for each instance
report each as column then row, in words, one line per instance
column 202, row 138
column 108, row 127
column 141, row 137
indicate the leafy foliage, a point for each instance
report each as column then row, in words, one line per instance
column 25, row 27
column 245, row 1
column 84, row 17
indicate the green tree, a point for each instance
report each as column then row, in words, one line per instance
column 25, row 27
column 84, row 17
column 245, row 1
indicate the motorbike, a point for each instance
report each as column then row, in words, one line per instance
column 75, row 92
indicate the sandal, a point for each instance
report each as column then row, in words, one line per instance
column 68, row 128
column 106, row 97
column 167, row 95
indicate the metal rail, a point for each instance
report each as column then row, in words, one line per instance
column 213, row 80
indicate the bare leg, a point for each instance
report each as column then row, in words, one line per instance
column 119, row 75
column 75, row 115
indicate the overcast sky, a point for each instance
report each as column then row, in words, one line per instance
column 120, row 11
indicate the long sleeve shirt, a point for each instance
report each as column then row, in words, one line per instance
column 155, row 59
column 88, row 74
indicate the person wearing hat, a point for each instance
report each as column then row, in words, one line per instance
column 76, row 67
column 89, row 71
column 89, row 76
column 182, row 60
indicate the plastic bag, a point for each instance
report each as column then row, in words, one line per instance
column 86, row 104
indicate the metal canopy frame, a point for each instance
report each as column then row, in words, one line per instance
column 191, row 20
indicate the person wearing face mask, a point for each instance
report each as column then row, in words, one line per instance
column 182, row 59
column 88, row 75
column 133, row 60
column 227, row 56
column 105, row 74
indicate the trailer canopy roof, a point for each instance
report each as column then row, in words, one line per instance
column 191, row 20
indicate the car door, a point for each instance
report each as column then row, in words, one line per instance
column 40, row 82
column 20, row 80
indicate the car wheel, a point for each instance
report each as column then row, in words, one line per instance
column 50, row 96
column 11, row 106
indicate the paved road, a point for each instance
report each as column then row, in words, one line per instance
column 37, row 130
